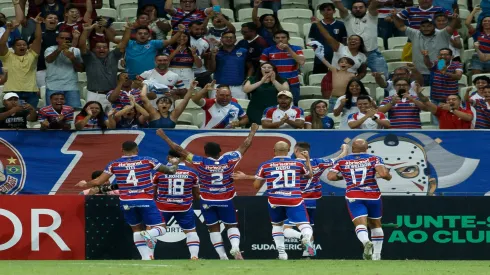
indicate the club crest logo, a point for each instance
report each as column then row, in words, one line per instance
column 12, row 169
column 238, row 54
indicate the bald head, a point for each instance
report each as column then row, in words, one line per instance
column 281, row 148
column 359, row 146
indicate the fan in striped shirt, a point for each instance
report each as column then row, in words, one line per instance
column 425, row 10
column 482, row 108
column 57, row 115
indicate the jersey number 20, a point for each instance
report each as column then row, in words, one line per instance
column 285, row 176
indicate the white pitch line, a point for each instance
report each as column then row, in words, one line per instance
column 122, row 264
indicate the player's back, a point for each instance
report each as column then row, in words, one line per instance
column 359, row 172
column 282, row 177
column 312, row 187
column 215, row 176
column 133, row 175
column 175, row 191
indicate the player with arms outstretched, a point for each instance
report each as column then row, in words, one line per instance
column 217, row 189
column 174, row 193
column 282, row 177
column 363, row 196
column 311, row 187
column 133, row 177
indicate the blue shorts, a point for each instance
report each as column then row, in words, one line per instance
column 217, row 211
column 294, row 214
column 310, row 209
column 477, row 64
column 373, row 209
column 185, row 219
column 142, row 211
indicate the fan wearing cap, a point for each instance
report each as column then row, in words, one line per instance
column 15, row 113
column 284, row 115
column 427, row 39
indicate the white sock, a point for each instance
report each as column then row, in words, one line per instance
column 306, row 230
column 234, row 237
column 193, row 243
column 278, row 235
column 157, row 231
column 362, row 234
column 292, row 233
column 377, row 236
column 140, row 243
column 217, row 241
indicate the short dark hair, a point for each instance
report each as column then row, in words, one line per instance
column 487, row 87
column 281, row 32
column 223, row 86
column 400, row 79
column 227, row 32
column 250, row 25
column 348, row 59
column 195, row 22
column 439, row 14
column 363, row 97
column 51, row 13
column 305, row 146
column 69, row 7
column 56, row 93
column 358, row 1
column 129, row 146
column 447, row 49
column 481, row 77
column 326, row 5
column 161, row 54
column 142, row 28
column 173, row 153
column 212, row 149
column 96, row 174
column 142, row 13
column 456, row 95
column 64, row 31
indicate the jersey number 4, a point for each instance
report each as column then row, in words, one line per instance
column 132, row 178
column 284, row 176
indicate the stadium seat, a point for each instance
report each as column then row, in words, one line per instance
column 309, row 54
column 298, row 16
column 186, row 127
column 471, row 43
column 381, row 44
column 397, row 42
column 394, row 65
column 315, row 79
column 107, row 12
column 467, row 55
column 185, row 119
column 463, row 82
column 129, row 14
column 307, row 68
column 124, row 4
column 301, row 80
column 426, row 90
column 9, row 12
column 306, row 31
column 297, row 41
column 241, row 4
column 463, row 4
column 425, row 117
column 380, row 94
column 462, row 91
column 336, row 119
column 199, row 119
column 292, row 28
column 229, row 13
column 82, row 80
column 245, row 15
column 294, row 4
column 118, row 26
column 392, row 55
column 464, row 13
column 306, row 113
column 243, row 103
column 4, row 4
column 308, row 92
column 305, row 104
column 42, row 92
column 83, row 94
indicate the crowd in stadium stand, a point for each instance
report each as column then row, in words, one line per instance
column 340, row 64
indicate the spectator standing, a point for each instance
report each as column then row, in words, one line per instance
column 284, row 115
column 21, row 64
column 267, row 24
column 363, row 21
column 196, row 32
column 52, row 7
column 403, row 109
column 221, row 24
column 182, row 59
column 92, row 116
column 86, row 7
column 347, row 104
column 318, row 118
column 63, row 62
column 482, row 108
column 16, row 113
column 450, row 114
column 385, row 21
column 263, row 89
column 367, row 117
column 101, row 66
column 73, row 20
column 222, row 111
column 158, row 25
column 426, row 39
column 287, row 58
column 124, row 91
column 408, row 72
column 455, row 43
column 274, row 5
column 187, row 12
column 57, row 115
column 161, row 75
column 229, row 64
column 254, row 43
column 482, row 36
column 14, row 34
column 450, row 5
column 335, row 29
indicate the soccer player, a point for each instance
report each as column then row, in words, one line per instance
column 360, row 170
column 133, row 176
column 282, row 176
column 311, row 188
column 174, row 193
column 217, row 189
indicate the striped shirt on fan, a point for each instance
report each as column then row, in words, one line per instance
column 404, row 114
column 198, row 15
column 287, row 67
column 415, row 15
column 482, row 114
column 443, row 85
column 484, row 40
column 50, row 114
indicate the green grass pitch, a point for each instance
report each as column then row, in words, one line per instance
column 252, row 267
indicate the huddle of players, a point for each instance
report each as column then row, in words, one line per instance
column 293, row 186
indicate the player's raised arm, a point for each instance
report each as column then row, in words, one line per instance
column 174, row 146
column 306, row 154
column 345, row 151
column 103, row 178
column 383, row 172
column 239, row 175
column 248, row 141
